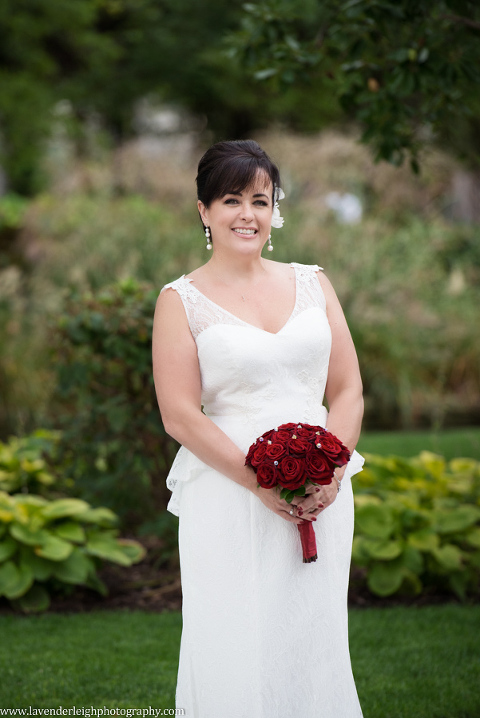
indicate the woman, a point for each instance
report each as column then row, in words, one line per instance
column 256, row 343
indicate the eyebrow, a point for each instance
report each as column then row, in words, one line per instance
column 239, row 194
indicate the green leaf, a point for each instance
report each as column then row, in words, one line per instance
column 14, row 580
column 473, row 538
column 75, row 569
column 424, row 540
column 459, row 583
column 413, row 560
column 385, row 578
column 375, row 521
column 265, row 74
column 9, row 576
column 383, row 550
column 106, row 548
column 26, row 536
column 101, row 516
column 64, row 507
column 449, row 557
column 35, row 600
column 54, row 548
column 7, row 548
column 70, row 531
column 456, row 520
column 41, row 568
column 95, row 583
column 132, row 549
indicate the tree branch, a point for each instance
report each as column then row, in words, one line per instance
column 464, row 20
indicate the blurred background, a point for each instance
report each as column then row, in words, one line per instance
column 373, row 116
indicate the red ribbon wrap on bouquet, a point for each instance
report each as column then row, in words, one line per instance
column 292, row 455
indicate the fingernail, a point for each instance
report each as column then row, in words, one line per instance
column 321, row 506
column 314, row 518
column 317, row 489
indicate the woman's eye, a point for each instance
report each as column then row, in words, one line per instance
column 231, row 201
column 262, row 203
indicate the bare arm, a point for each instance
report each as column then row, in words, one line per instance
column 176, row 373
column 343, row 393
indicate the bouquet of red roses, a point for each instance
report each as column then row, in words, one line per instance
column 291, row 456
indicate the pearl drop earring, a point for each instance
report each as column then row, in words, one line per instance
column 270, row 245
column 207, row 235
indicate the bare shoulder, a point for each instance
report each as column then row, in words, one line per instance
column 170, row 314
column 331, row 300
column 325, row 283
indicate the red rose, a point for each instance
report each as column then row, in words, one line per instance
column 306, row 432
column 287, row 427
column 267, row 475
column 259, row 453
column 250, row 453
column 293, row 470
column 282, row 436
column 334, row 449
column 268, row 434
column 319, row 468
column 275, row 450
column 299, row 446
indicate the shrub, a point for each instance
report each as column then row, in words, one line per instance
column 417, row 525
column 48, row 544
column 25, row 463
column 113, row 441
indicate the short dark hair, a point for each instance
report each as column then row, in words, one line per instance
column 231, row 167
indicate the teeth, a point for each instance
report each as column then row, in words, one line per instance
column 245, row 231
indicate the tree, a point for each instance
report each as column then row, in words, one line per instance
column 405, row 70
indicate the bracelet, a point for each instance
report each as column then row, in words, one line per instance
column 339, row 482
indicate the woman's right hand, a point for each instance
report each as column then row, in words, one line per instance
column 271, row 499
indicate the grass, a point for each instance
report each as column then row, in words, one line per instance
column 408, row 662
column 450, row 443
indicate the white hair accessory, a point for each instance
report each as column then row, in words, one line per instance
column 277, row 220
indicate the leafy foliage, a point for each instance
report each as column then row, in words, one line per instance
column 25, row 463
column 113, row 440
column 417, row 525
column 395, row 67
column 48, row 545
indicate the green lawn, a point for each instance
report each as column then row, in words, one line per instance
column 408, row 662
column 451, row 443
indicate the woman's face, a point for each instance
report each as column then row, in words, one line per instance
column 241, row 222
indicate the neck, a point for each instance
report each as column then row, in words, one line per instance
column 236, row 268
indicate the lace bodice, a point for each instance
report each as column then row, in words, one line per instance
column 203, row 313
column 252, row 379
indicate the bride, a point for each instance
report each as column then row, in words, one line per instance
column 241, row 345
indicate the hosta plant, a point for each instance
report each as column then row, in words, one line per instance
column 26, row 463
column 43, row 542
column 417, row 525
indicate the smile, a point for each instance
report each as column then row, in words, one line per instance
column 244, row 231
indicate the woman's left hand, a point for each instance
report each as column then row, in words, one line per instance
column 317, row 498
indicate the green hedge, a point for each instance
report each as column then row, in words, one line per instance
column 48, row 544
column 417, row 525
column 113, row 443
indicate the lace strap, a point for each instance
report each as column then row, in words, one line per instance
column 188, row 295
column 310, row 293
column 201, row 312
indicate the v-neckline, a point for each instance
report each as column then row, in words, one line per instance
column 249, row 324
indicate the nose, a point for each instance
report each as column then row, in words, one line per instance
column 247, row 212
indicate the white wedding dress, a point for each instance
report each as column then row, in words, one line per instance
column 264, row 634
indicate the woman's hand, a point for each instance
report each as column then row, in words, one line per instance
column 318, row 498
column 271, row 499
